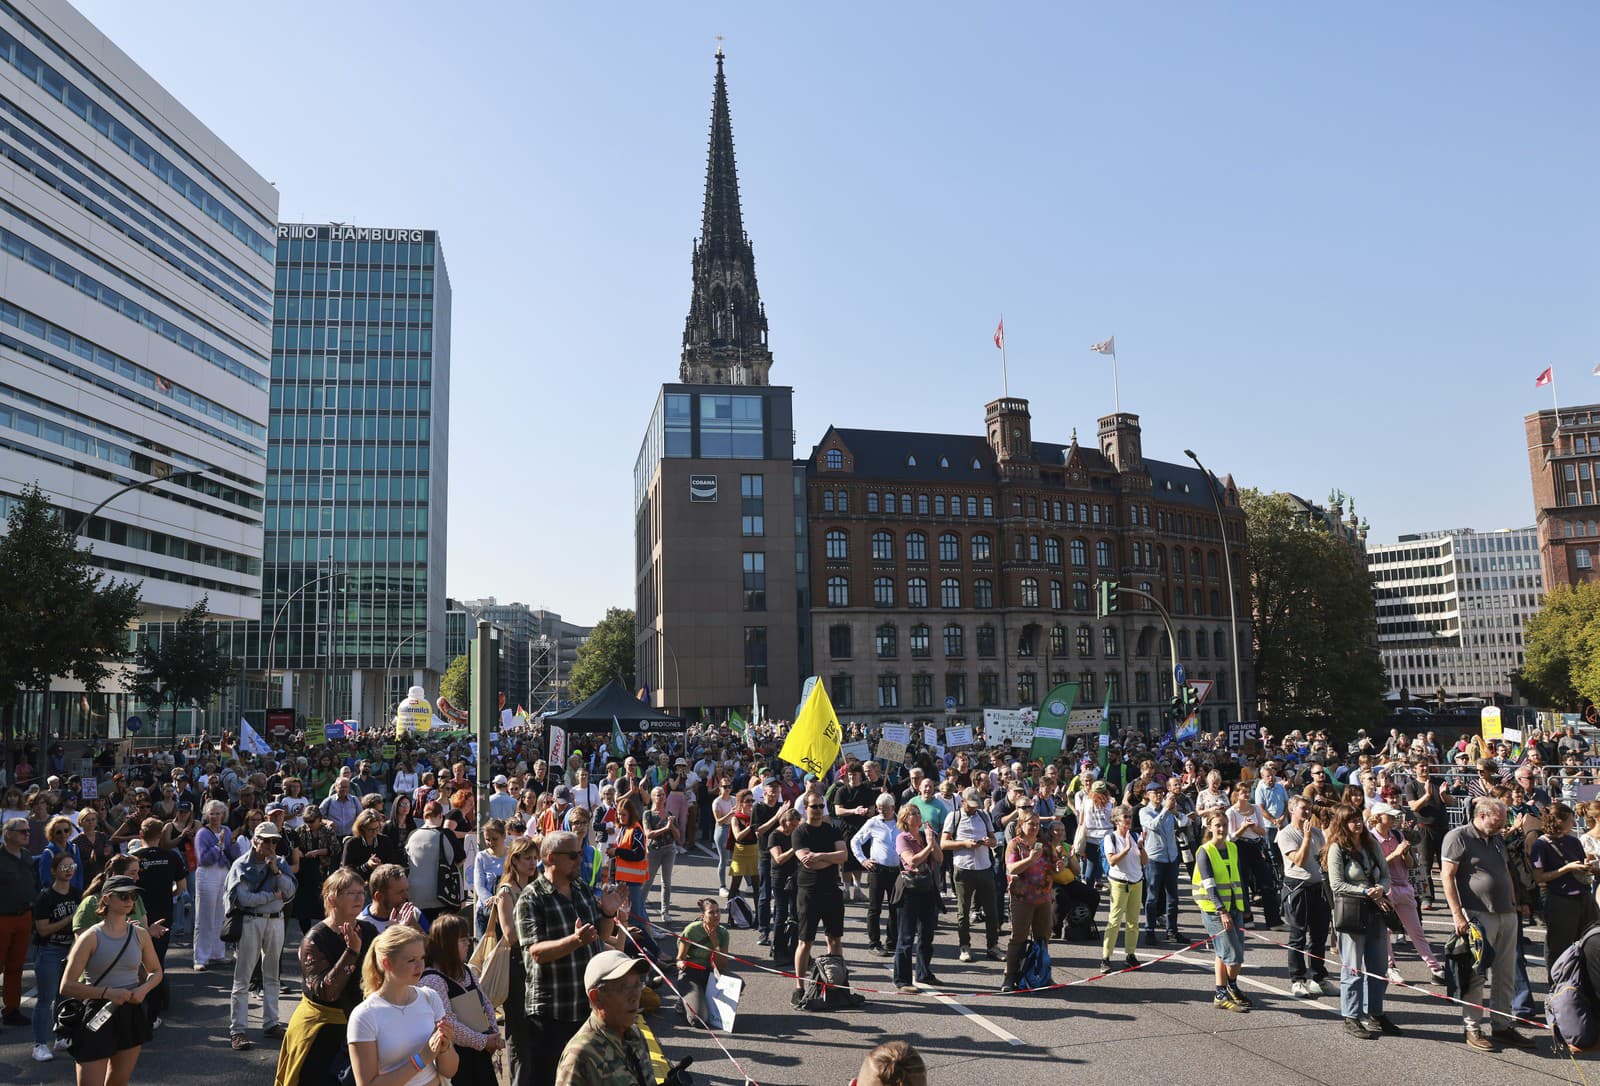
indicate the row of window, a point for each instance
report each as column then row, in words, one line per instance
column 343, row 427
column 1048, row 550
column 919, row 642
column 351, row 337
column 349, row 457
column 1028, row 594
column 841, row 689
column 282, row 487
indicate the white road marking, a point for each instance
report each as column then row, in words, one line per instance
column 964, row 1010
column 1264, row 986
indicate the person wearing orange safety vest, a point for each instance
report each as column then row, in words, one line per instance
column 632, row 863
column 1219, row 892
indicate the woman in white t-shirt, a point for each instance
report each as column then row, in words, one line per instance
column 398, row 1034
column 1125, row 860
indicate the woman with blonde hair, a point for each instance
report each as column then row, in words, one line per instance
column 894, row 1063
column 94, row 843
column 215, row 851
column 522, row 865
column 361, row 847
column 114, row 964
column 315, row 1048
column 398, row 1035
column 920, row 857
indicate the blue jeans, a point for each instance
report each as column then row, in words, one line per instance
column 1368, row 951
column 1161, row 895
column 764, row 893
column 1522, row 1004
column 913, row 952
column 48, row 964
column 1094, row 863
column 637, row 892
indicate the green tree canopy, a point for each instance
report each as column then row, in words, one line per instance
column 182, row 665
column 456, row 685
column 607, row 655
column 1563, row 648
column 1315, row 622
column 58, row 614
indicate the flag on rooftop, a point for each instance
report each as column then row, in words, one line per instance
column 1547, row 376
column 1105, row 346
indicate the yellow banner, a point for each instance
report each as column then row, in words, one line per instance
column 1490, row 716
column 813, row 739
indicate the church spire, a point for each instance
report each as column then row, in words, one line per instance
column 725, row 334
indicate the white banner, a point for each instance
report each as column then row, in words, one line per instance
column 930, row 735
column 1010, row 726
column 892, row 746
column 860, row 750
column 557, row 757
column 724, row 992
column 958, row 737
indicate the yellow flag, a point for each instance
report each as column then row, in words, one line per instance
column 813, row 739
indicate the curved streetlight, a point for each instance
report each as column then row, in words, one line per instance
column 1227, row 563
column 177, row 476
column 272, row 638
column 388, row 671
column 677, row 683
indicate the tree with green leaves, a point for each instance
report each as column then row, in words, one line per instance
column 182, row 665
column 59, row 616
column 607, row 655
column 1315, row 621
column 456, row 685
column 1562, row 644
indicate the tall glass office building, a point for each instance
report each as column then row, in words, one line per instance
column 136, row 263
column 353, row 580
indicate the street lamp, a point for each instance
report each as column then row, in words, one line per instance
column 388, row 671
column 1227, row 564
column 272, row 638
column 677, row 682
column 174, row 477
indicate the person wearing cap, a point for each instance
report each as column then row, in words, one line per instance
column 609, row 1049
column 112, row 962
column 259, row 883
column 502, row 804
column 555, row 815
column 968, row 835
column 1396, row 846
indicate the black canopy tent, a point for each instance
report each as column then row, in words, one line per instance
column 613, row 702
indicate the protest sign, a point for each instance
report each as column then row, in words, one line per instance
column 860, row 750
column 724, row 992
column 930, row 735
column 892, row 746
column 955, row 738
column 1012, row 727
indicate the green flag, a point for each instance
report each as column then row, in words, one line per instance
column 619, row 745
column 736, row 723
column 1050, row 728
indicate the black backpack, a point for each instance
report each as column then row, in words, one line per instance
column 827, row 986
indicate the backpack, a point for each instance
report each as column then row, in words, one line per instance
column 827, row 986
column 785, row 938
column 1076, row 905
column 741, row 917
column 1033, row 970
column 1571, row 1005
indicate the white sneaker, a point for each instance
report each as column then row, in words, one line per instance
column 42, row 1054
column 1299, row 990
column 1393, row 976
column 722, row 891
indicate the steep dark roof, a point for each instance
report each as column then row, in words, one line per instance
column 882, row 454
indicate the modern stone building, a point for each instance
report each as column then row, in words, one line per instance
column 1564, row 463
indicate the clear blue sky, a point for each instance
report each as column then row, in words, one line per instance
column 1335, row 245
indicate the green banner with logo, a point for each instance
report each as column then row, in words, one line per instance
column 1051, row 725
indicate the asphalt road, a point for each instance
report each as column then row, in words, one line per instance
column 1153, row 1025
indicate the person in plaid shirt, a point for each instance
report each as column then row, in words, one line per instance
column 560, row 926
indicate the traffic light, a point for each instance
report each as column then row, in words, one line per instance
column 1175, row 709
column 1190, row 698
column 1107, row 602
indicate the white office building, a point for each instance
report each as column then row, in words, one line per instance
column 136, row 286
column 1452, row 607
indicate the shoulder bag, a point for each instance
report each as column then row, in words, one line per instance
column 1355, row 914
column 491, row 960
column 233, row 920
column 449, row 888
column 71, row 1012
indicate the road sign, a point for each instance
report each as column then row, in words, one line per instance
column 1179, row 675
column 1202, row 690
column 949, row 704
column 135, row 725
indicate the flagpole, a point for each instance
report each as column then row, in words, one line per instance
column 1116, row 389
column 1553, row 401
column 1005, row 380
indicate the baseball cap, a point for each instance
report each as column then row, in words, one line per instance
column 277, row 805
column 119, row 884
column 266, row 832
column 563, row 794
column 1099, row 786
column 610, row 965
column 1382, row 809
column 500, row 778
column 972, row 795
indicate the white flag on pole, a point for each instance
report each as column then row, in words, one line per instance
column 1105, row 346
column 250, row 740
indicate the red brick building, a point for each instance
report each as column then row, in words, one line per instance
column 959, row 569
column 1564, row 462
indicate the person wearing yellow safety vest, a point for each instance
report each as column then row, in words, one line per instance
column 1219, row 892
column 633, row 865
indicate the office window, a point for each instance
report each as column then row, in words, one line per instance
column 888, row 504
column 834, row 459
column 888, row 692
column 949, row 547
column 1581, row 558
column 938, row 505
column 1033, row 548
column 1102, row 554
column 1027, row 687
column 883, row 591
column 921, row 691
column 886, row 642
column 839, row 642
column 843, row 502
column 972, row 507
column 917, row 592
column 955, row 688
column 982, row 592
column 986, row 642
column 755, row 581
column 1110, row 639
column 1025, row 640
column 827, row 501
column 752, row 505
column 922, row 505
column 1052, row 551
column 916, row 547
column 954, row 646
column 838, row 592
column 1141, row 686
column 950, row 592
column 920, row 639
column 1055, row 596
column 1079, row 551
column 1080, row 595
column 755, row 655
column 1030, row 592
column 981, row 547
column 836, row 545
column 882, row 546
column 841, row 690
column 988, row 507
column 1058, row 641
column 1218, row 645
column 988, row 690
column 1085, row 644
column 1086, row 687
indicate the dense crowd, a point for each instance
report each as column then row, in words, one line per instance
column 433, row 943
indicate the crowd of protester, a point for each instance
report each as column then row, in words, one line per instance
column 432, row 944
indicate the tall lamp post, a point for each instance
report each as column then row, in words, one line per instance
column 677, row 682
column 175, row 477
column 272, row 637
column 394, row 658
column 1227, row 563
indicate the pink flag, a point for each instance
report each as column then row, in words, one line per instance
column 1544, row 378
column 1000, row 334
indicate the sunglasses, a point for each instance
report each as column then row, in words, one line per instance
column 123, row 895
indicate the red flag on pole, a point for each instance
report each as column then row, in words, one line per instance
column 1000, row 334
column 1544, row 378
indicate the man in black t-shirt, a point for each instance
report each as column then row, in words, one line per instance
column 163, row 875
column 765, row 820
column 853, row 803
column 819, row 900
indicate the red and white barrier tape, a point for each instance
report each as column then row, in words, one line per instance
column 703, row 1024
